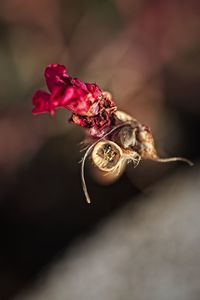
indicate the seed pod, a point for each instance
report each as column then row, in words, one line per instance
column 107, row 156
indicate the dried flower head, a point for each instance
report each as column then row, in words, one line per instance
column 114, row 138
column 91, row 107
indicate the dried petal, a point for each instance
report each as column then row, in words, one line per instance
column 91, row 107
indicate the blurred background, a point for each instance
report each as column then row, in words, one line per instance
column 147, row 54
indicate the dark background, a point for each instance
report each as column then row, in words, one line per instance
column 147, row 53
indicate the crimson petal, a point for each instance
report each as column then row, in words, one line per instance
column 56, row 75
column 41, row 101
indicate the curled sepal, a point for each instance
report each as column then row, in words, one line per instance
column 147, row 150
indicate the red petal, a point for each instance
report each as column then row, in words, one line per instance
column 94, row 89
column 76, row 82
column 56, row 75
column 93, row 108
column 41, row 101
column 79, row 102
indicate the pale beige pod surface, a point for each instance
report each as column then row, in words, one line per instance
column 107, row 156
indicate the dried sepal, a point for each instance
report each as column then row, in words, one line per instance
column 145, row 143
column 124, row 117
column 147, row 150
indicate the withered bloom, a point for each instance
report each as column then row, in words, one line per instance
column 113, row 137
column 91, row 107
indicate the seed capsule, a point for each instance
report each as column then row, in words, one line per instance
column 107, row 155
